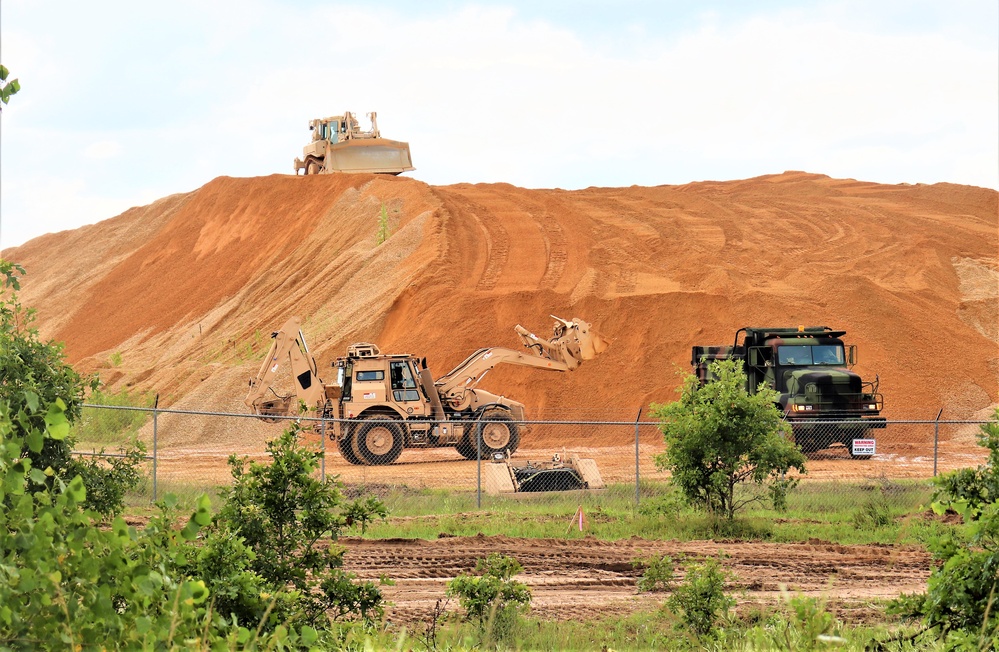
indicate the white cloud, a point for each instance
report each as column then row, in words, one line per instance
column 102, row 149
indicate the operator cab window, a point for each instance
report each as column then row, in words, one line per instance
column 368, row 376
column 403, row 383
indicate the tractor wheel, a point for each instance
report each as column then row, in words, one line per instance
column 346, row 448
column 312, row 167
column 378, row 441
column 466, row 448
column 496, row 433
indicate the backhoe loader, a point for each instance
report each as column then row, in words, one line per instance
column 380, row 404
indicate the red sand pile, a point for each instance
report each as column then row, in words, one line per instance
column 188, row 288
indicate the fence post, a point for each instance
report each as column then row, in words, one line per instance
column 156, row 404
column 322, row 433
column 478, row 472
column 936, row 439
column 637, row 476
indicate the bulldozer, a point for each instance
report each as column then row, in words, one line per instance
column 340, row 145
column 380, row 403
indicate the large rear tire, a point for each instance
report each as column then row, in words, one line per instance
column 378, row 441
column 312, row 167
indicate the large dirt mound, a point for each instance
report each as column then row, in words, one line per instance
column 178, row 297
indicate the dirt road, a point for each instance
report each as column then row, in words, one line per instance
column 586, row 578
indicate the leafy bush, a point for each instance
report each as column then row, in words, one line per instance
column 718, row 436
column 658, row 574
column 108, row 479
column 290, row 520
column 700, row 600
column 66, row 583
column 960, row 603
column 33, row 377
column 493, row 600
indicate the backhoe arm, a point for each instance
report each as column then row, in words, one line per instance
column 287, row 344
column 573, row 342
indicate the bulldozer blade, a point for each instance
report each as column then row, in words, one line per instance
column 375, row 155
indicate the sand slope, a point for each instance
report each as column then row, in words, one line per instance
column 188, row 289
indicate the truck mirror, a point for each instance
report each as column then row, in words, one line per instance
column 853, row 354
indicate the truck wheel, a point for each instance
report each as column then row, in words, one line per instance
column 346, row 447
column 378, row 441
column 312, row 167
column 497, row 433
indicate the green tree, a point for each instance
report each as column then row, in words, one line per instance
column 719, row 437
column 33, row 374
column 290, row 522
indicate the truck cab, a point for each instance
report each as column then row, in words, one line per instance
column 810, row 368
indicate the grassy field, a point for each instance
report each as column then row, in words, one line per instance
column 840, row 512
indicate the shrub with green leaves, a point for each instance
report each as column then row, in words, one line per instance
column 658, row 574
column 700, row 600
column 719, row 437
column 67, row 583
column 33, row 376
column 961, row 603
column 290, row 522
column 492, row 599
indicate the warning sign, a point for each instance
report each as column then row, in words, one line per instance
column 863, row 446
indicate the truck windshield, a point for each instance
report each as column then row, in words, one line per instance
column 800, row 354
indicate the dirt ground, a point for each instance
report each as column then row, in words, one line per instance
column 584, row 579
column 445, row 468
column 182, row 294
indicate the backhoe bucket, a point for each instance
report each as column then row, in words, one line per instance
column 375, row 155
column 571, row 344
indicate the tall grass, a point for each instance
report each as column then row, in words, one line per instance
column 101, row 427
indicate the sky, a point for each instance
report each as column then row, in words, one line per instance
column 123, row 103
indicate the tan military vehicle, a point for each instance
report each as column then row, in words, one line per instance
column 382, row 403
column 339, row 145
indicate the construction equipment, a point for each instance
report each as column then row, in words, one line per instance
column 824, row 401
column 562, row 473
column 339, row 145
column 382, row 403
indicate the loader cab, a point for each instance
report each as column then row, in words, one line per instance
column 404, row 388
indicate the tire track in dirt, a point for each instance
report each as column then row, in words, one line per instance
column 588, row 578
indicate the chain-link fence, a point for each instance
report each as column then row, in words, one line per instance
column 188, row 452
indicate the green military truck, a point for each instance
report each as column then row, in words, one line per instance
column 824, row 401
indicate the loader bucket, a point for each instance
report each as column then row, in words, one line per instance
column 376, row 155
column 571, row 344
